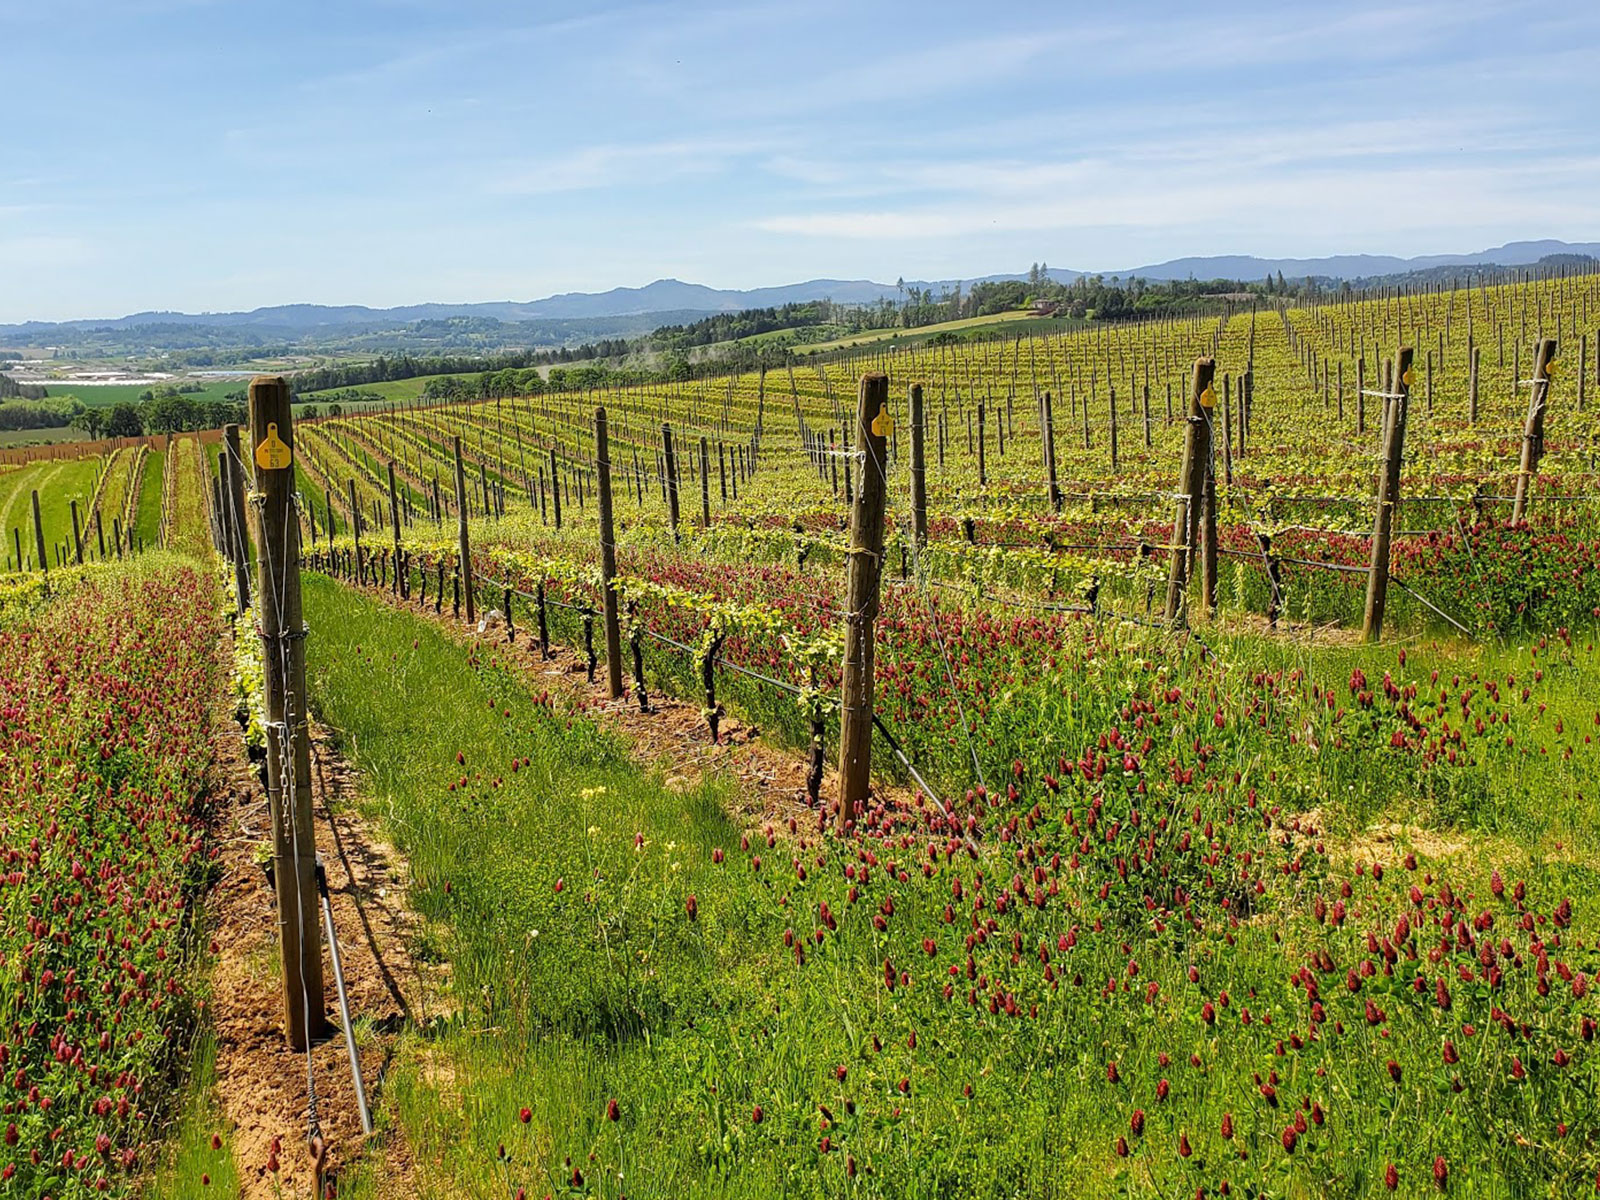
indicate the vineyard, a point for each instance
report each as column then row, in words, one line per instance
column 1149, row 760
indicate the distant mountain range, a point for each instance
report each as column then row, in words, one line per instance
column 675, row 300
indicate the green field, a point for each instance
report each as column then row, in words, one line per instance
column 40, row 437
column 149, row 523
column 58, row 482
column 392, row 392
column 108, row 395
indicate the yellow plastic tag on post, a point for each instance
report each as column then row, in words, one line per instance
column 1410, row 377
column 273, row 454
column 1208, row 398
column 883, row 423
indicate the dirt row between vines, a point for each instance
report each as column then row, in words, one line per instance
column 261, row 1082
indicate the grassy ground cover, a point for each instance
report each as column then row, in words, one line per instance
column 58, row 482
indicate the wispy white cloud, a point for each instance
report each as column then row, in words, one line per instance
column 638, row 165
column 30, row 253
column 1394, row 196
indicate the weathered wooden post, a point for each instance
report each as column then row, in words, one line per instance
column 555, row 487
column 394, row 522
column 356, row 524
column 919, row 468
column 1394, row 435
column 38, row 537
column 608, row 557
column 1247, row 407
column 1472, row 387
column 671, row 476
column 1113, row 429
column 234, row 515
column 983, row 461
column 1361, row 395
column 99, row 537
column 873, row 424
column 463, row 542
column 1208, row 538
column 705, row 483
column 283, row 660
column 1191, row 482
column 77, row 536
column 1227, row 426
column 1050, row 453
column 849, row 466
column 1533, row 429
column 1583, row 368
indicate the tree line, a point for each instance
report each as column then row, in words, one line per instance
column 164, row 410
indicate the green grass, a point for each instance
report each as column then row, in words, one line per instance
column 111, row 394
column 58, row 482
column 11, row 438
column 393, row 391
column 192, row 1167
column 148, row 525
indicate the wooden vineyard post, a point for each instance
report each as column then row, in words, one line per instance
column 1050, row 453
column 1361, row 395
column 394, row 522
column 234, row 514
column 283, row 660
column 463, row 542
column 1394, row 435
column 1191, row 481
column 1472, row 388
column 1227, row 425
column 983, row 464
column 1583, row 365
column 555, row 487
column 1208, row 538
column 1247, row 401
column 77, row 536
column 608, row 557
column 671, row 454
column 705, row 483
column 1113, row 430
column 861, row 598
column 355, row 532
column 99, row 537
column 919, row 468
column 849, row 465
column 1533, row 429
column 38, row 536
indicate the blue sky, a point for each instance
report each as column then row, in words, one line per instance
column 210, row 155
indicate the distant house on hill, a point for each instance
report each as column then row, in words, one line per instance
column 1045, row 308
